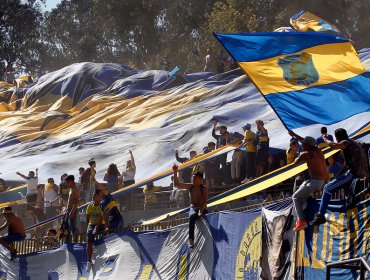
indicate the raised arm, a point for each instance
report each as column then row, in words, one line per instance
column 214, row 130
column 293, row 134
column 132, row 159
column 338, row 146
column 176, row 179
column 180, row 159
column 23, row 176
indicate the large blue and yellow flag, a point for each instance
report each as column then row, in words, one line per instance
column 306, row 77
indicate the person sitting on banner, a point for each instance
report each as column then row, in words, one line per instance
column 95, row 220
column 111, row 214
column 317, row 168
column 356, row 167
column 198, row 199
column 16, row 231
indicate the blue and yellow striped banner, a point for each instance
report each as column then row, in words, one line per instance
column 307, row 78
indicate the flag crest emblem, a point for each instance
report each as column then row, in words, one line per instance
column 299, row 69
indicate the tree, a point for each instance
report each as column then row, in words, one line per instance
column 258, row 15
column 20, row 43
column 72, row 35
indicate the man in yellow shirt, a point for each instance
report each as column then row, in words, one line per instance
column 150, row 198
column 293, row 151
column 94, row 218
column 250, row 149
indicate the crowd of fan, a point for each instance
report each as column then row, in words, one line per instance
column 251, row 157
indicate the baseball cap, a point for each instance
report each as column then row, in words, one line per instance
column 247, row 126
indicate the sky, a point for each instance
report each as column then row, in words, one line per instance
column 50, row 4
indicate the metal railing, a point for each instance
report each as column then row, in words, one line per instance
column 34, row 244
column 352, row 264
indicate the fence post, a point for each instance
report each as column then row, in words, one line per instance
column 327, row 272
column 362, row 271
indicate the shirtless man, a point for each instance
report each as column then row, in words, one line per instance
column 73, row 200
column 317, row 168
column 16, row 231
column 198, row 199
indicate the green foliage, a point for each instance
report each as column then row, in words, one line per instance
column 20, row 43
column 140, row 33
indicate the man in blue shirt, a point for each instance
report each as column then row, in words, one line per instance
column 324, row 134
column 111, row 214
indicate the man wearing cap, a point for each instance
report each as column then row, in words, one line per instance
column 198, row 199
column 250, row 154
column 73, row 200
column 317, row 168
column 356, row 167
column 16, row 231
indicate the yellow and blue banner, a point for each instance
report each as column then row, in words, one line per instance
column 303, row 21
column 307, row 77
